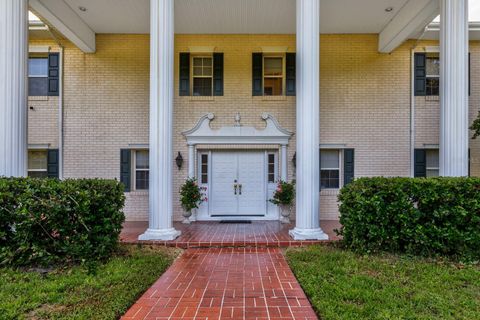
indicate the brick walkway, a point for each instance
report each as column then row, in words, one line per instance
column 225, row 283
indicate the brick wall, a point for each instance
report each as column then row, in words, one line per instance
column 365, row 105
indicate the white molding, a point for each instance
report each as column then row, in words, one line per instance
column 38, row 49
column 274, row 49
column 61, row 16
column 45, row 146
column 202, row 133
column 139, row 146
column 332, row 146
column 414, row 16
column 201, row 49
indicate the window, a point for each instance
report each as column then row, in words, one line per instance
column 141, row 172
column 38, row 76
column 202, row 76
column 329, row 169
column 37, row 164
column 271, row 168
column 204, row 168
column 273, row 75
column 432, row 163
column 433, row 74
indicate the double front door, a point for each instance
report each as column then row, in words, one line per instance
column 238, row 186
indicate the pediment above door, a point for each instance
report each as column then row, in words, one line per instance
column 202, row 133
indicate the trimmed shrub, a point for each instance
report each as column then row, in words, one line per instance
column 48, row 221
column 421, row 216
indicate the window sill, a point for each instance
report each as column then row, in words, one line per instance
column 38, row 98
column 138, row 192
column 202, row 98
column 271, row 98
column 329, row 192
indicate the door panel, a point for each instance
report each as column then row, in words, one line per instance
column 246, row 169
column 224, row 172
column 251, row 175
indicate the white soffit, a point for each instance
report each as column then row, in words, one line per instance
column 236, row 16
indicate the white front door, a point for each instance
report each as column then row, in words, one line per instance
column 238, row 186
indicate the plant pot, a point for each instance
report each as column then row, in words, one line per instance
column 186, row 216
column 285, row 212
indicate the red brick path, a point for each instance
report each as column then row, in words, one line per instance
column 225, row 283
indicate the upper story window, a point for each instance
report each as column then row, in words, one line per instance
column 38, row 76
column 273, row 76
column 202, row 76
column 329, row 169
column 141, row 169
column 427, row 74
column 37, row 164
column 433, row 74
column 432, row 163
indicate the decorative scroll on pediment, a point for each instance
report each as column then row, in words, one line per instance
column 202, row 132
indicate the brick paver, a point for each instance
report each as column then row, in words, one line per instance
column 225, row 283
column 215, row 234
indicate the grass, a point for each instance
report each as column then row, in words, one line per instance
column 343, row 285
column 74, row 294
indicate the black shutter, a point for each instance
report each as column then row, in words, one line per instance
column 420, row 74
column 469, row 81
column 125, row 168
column 257, row 74
column 53, row 74
column 348, row 166
column 290, row 76
column 469, row 174
column 52, row 163
column 420, row 159
column 184, row 86
column 218, row 74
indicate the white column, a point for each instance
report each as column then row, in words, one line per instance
column 308, row 122
column 284, row 174
column 454, row 88
column 191, row 161
column 13, row 87
column 161, row 122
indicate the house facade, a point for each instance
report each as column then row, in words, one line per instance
column 239, row 96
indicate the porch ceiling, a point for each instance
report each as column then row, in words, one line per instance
column 237, row 16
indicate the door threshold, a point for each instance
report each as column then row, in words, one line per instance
column 236, row 221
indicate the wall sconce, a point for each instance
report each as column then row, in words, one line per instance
column 179, row 160
column 294, row 160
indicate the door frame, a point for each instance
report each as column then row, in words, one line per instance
column 271, row 211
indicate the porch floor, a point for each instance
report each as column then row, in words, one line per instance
column 215, row 234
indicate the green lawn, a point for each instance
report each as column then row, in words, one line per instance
column 73, row 294
column 344, row 285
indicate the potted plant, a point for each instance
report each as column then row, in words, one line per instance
column 190, row 197
column 284, row 197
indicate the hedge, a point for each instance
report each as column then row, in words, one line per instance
column 48, row 221
column 421, row 216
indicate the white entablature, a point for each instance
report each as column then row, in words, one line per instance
column 202, row 133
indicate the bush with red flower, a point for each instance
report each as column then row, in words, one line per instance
column 191, row 196
column 284, row 194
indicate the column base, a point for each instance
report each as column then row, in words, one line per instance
column 308, row 234
column 160, row 234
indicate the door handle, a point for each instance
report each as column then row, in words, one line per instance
column 235, row 188
column 240, row 189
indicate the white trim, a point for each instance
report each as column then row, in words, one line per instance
column 274, row 49
column 38, row 49
column 202, row 133
column 201, row 49
column 38, row 147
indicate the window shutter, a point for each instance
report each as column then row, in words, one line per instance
column 125, row 168
column 184, row 86
column 52, row 163
column 469, row 159
column 420, row 159
column 469, row 77
column 218, row 74
column 53, row 74
column 420, row 74
column 290, row 76
column 257, row 74
column 348, row 166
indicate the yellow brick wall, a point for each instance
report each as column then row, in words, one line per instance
column 365, row 104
